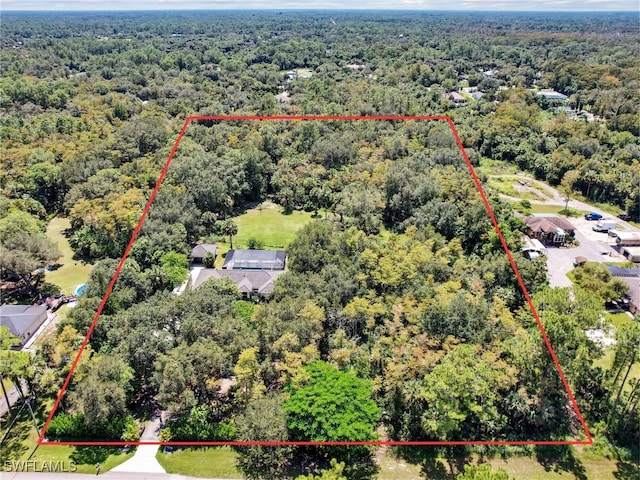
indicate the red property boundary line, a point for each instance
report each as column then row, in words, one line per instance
column 476, row 181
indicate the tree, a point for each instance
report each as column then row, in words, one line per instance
column 482, row 472
column 569, row 179
column 247, row 372
column 175, row 267
column 334, row 472
column 103, row 392
column 263, row 420
column 209, row 260
column 7, row 340
column 333, row 406
column 24, row 249
column 627, row 352
column 596, row 278
column 227, row 227
column 462, row 392
column 314, row 247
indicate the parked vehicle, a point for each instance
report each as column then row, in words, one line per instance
column 593, row 216
column 604, row 226
column 624, row 216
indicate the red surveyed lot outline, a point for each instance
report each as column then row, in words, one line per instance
column 476, row 181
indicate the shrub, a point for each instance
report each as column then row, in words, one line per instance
column 254, row 244
column 73, row 425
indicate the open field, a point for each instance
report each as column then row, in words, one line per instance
column 268, row 225
column 71, row 273
column 508, row 185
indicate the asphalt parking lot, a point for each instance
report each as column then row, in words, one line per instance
column 594, row 246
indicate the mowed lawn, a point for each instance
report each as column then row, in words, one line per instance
column 267, row 224
column 71, row 273
column 218, row 462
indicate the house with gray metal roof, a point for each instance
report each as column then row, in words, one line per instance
column 251, row 283
column 199, row 251
column 23, row 320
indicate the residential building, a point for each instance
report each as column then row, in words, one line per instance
column 549, row 229
column 251, row 283
column 23, row 320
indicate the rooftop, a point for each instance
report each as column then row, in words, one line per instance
column 248, row 281
column 548, row 224
column 551, row 95
column 18, row 318
column 204, row 248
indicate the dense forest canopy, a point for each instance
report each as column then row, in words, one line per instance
column 399, row 311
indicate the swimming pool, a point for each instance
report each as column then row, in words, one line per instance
column 81, row 289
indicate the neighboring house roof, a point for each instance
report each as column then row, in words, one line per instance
column 19, row 318
column 456, row 97
column 548, row 224
column 552, row 95
column 248, row 281
column 201, row 250
column 255, row 260
column 623, row 272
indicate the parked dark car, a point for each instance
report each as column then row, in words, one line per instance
column 593, row 216
column 624, row 216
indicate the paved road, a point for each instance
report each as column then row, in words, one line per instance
column 13, row 398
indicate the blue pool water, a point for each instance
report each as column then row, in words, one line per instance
column 81, row 289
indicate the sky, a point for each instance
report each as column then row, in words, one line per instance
column 513, row 5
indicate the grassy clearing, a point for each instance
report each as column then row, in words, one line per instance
column 489, row 166
column 557, row 209
column 71, row 273
column 618, row 319
column 606, row 361
column 266, row 224
column 22, row 445
column 218, row 462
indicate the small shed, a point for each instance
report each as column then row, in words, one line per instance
column 580, row 261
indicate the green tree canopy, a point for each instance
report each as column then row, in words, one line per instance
column 333, row 406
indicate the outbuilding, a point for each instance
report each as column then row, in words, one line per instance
column 199, row 251
column 626, row 239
